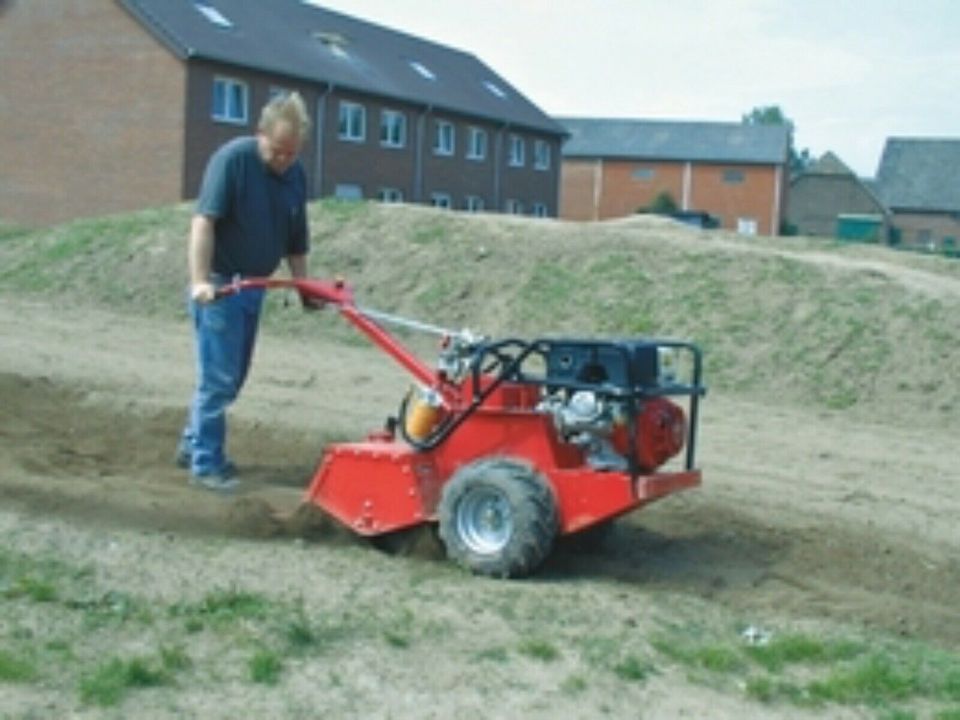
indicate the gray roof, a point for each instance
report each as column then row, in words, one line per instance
column 676, row 140
column 828, row 164
column 300, row 40
column 920, row 174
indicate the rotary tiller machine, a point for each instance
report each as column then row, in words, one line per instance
column 508, row 444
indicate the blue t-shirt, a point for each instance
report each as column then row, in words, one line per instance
column 259, row 217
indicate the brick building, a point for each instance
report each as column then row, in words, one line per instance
column 919, row 182
column 735, row 173
column 113, row 105
column 827, row 195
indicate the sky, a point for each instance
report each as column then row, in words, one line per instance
column 848, row 73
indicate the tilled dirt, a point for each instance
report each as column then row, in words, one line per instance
column 801, row 513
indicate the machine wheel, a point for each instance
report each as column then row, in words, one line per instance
column 498, row 518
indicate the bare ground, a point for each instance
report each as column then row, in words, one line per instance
column 803, row 517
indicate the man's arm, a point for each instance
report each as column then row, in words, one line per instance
column 297, row 265
column 199, row 258
column 298, row 269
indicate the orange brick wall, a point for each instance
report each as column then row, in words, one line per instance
column 602, row 189
column 91, row 111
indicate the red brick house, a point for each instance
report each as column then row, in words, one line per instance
column 735, row 173
column 113, row 105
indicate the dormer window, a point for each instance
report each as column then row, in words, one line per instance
column 495, row 89
column 423, row 71
column 334, row 42
column 213, row 15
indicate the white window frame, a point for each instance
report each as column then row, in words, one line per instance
column 747, row 225
column 445, row 141
column 441, row 200
column 350, row 115
column 541, row 155
column 539, row 210
column 513, row 207
column 233, row 92
column 391, row 195
column 517, row 151
column 393, row 129
column 476, row 143
column 473, row 203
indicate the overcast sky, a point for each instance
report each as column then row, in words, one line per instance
column 849, row 73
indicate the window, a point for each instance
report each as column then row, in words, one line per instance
column 393, row 129
column 444, row 142
column 476, row 143
column 516, row 151
column 541, row 155
column 422, row 70
column 495, row 89
column 513, row 207
column 539, row 210
column 441, row 200
column 230, row 101
column 733, row 177
column 334, row 42
column 643, row 173
column 214, row 16
column 353, row 122
column 348, row 191
column 747, row 226
column 473, row 203
column 391, row 195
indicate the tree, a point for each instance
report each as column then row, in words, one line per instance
column 663, row 204
column 773, row 115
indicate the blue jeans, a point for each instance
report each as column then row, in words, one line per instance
column 225, row 331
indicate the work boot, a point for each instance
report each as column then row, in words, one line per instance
column 222, row 480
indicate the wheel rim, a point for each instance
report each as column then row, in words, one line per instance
column 484, row 520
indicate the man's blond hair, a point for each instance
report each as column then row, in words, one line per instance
column 289, row 108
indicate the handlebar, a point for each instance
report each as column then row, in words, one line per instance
column 336, row 291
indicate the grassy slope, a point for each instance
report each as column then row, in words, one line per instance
column 791, row 319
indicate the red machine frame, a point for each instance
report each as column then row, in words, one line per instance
column 384, row 483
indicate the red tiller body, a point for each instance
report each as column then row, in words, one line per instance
column 595, row 425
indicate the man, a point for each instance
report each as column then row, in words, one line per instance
column 251, row 213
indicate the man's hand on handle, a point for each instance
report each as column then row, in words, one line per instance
column 203, row 292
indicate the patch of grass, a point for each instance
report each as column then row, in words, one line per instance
column 872, row 680
column 299, row 633
column 223, row 607
column 428, row 234
column 496, row 654
column 34, row 588
column 794, row 648
column 16, row 668
column 574, row 685
column 111, row 606
column 539, row 649
column 715, row 657
column 767, row 690
column 633, row 669
column 265, row 667
column 112, row 680
column 174, row 658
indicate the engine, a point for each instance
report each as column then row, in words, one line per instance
column 600, row 425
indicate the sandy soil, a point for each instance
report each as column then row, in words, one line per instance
column 801, row 516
